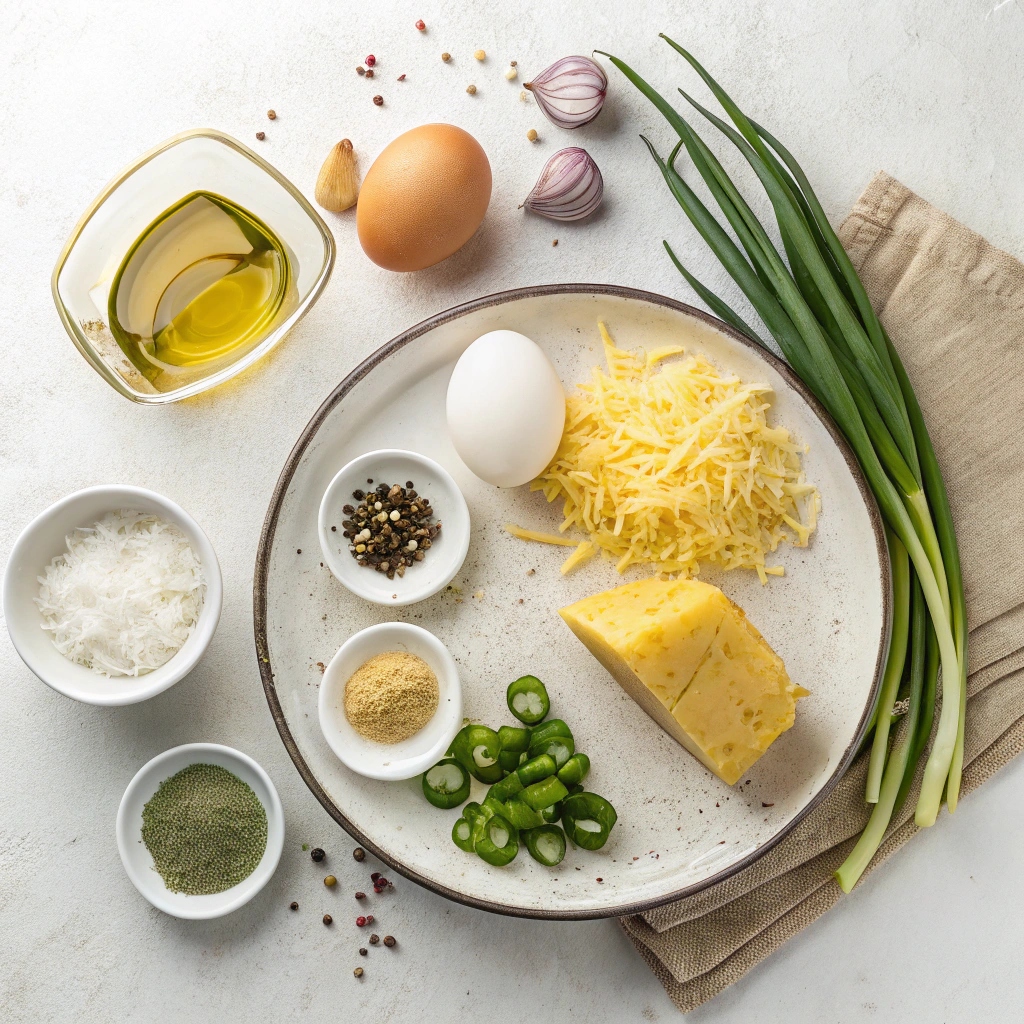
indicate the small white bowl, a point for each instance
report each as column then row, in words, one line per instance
column 390, row 761
column 137, row 860
column 42, row 540
column 447, row 552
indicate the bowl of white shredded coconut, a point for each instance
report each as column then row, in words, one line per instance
column 112, row 595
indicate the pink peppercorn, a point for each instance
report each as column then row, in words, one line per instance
column 370, row 61
column 375, row 876
column 421, row 25
column 360, row 921
column 369, row 918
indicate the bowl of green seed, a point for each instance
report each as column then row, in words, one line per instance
column 200, row 830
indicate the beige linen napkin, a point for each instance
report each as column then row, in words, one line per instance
column 954, row 307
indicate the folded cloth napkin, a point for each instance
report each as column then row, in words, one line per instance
column 954, row 306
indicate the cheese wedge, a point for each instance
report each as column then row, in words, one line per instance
column 691, row 659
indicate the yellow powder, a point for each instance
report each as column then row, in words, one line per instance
column 391, row 697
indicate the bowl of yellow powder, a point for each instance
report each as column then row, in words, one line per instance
column 391, row 701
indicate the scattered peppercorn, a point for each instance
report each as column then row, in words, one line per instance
column 513, row 63
column 360, row 921
column 360, row 895
column 298, row 551
column 401, row 78
column 369, row 918
column 293, row 905
column 389, row 940
column 600, row 879
column 421, row 25
column 261, row 136
column 374, row 876
column 334, row 529
column 374, row 939
column 330, row 881
column 369, row 72
column 378, row 101
column 360, row 70
column 358, row 853
column 358, row 972
column 555, row 242
column 317, row 854
column 532, row 134
column 471, row 89
column 370, row 61
column 446, row 57
column 479, row 54
column 328, row 919
column 363, row 951
column 272, row 114
column 391, row 529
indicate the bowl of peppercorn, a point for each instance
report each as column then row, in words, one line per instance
column 394, row 527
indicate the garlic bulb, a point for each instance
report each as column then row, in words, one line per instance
column 569, row 188
column 337, row 186
column 571, row 92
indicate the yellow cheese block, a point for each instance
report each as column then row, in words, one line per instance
column 691, row 659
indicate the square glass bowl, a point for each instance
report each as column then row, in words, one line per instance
column 201, row 160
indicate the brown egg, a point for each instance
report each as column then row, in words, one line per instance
column 423, row 197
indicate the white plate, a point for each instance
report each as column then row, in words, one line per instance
column 680, row 829
column 394, row 761
column 137, row 860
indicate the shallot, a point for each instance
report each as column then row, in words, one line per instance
column 571, row 92
column 569, row 188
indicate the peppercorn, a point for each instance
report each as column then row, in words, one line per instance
column 330, row 881
column 471, row 89
column 272, row 114
column 369, row 72
column 369, row 918
column 389, row 941
column 358, row 853
column 360, row 921
column 363, row 951
column 370, row 61
column 446, row 57
column 401, row 78
column 374, row 876
column 378, row 101
column 317, row 854
column 390, row 529
column 360, row 895
column 261, row 136
column 293, row 905
column 421, row 25
column 532, row 134
column 358, row 972
column 374, row 939
column 360, row 70
column 328, row 919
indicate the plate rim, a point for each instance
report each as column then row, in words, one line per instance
column 265, row 548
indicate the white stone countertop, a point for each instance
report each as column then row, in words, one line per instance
column 929, row 90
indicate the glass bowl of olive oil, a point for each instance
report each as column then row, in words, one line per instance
column 191, row 265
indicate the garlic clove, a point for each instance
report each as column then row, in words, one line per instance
column 570, row 186
column 337, row 185
column 571, row 92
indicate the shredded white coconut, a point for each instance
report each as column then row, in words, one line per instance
column 125, row 596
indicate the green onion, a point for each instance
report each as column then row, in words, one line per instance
column 817, row 310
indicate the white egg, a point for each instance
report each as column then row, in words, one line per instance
column 506, row 409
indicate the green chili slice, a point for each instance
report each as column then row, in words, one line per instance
column 536, row 768
column 477, row 747
column 522, row 815
column 514, row 738
column 528, row 700
column 508, row 787
column 558, row 748
column 499, row 841
column 547, row 731
column 462, row 835
column 575, row 769
column 545, row 793
column 552, row 814
column 588, row 819
column 546, row 844
column 509, row 760
column 446, row 785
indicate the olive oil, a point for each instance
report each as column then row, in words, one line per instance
column 202, row 285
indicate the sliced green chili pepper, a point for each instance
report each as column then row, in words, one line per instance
column 499, row 841
column 549, row 815
column 573, row 790
column 493, row 806
column 536, row 768
column 514, row 738
column 559, row 748
column 556, row 727
column 446, row 785
column 588, row 819
column 509, row 760
column 508, row 787
column 471, row 811
column 528, row 700
column 478, row 819
column 462, row 835
column 546, row 844
column 545, row 793
column 521, row 814
column 575, row 769
column 477, row 748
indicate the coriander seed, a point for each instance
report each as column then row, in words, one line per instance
column 358, row 972
column 532, row 134
column 471, row 89
column 272, row 114
column 446, row 57
column 480, row 54
column 389, row 941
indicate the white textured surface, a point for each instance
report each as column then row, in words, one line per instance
column 928, row 90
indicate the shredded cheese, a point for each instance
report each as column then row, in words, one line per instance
column 585, row 550
column 125, row 596
column 540, row 537
column 676, row 465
